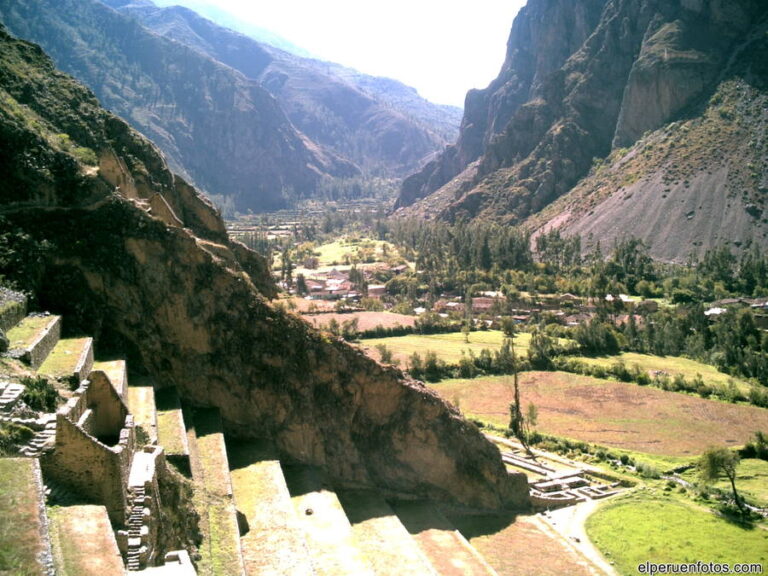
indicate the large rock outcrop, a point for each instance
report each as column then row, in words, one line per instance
column 193, row 308
column 625, row 68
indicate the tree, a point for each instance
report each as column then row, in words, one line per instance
column 717, row 463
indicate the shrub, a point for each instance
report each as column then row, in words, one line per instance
column 39, row 394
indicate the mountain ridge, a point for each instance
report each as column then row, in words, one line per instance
column 381, row 125
column 644, row 65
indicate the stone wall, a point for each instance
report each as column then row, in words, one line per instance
column 83, row 463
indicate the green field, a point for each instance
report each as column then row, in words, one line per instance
column 448, row 347
column 751, row 481
column 672, row 365
column 636, row 528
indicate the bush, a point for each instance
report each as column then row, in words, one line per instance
column 39, row 394
column 11, row 436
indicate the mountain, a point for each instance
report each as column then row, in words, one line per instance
column 381, row 125
column 96, row 227
column 220, row 130
column 655, row 109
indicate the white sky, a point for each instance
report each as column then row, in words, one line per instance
column 441, row 48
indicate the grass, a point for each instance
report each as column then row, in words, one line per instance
column 63, row 359
column 171, row 433
column 672, row 365
column 141, row 403
column 625, row 416
column 24, row 334
column 210, row 469
column 448, row 347
column 642, row 527
column 20, row 540
column 83, row 542
column 751, row 481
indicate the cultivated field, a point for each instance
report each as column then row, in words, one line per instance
column 365, row 320
column 448, row 347
column 619, row 415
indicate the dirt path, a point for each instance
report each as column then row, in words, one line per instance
column 568, row 523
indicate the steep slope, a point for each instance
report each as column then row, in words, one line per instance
column 217, row 128
column 98, row 229
column 692, row 191
column 379, row 124
column 644, row 64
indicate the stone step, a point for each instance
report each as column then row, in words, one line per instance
column 96, row 553
column 10, row 396
column 382, row 538
column 327, row 530
column 447, row 550
column 220, row 550
column 275, row 543
column 22, row 498
column 140, row 399
column 70, row 359
column 116, row 372
column 33, row 338
column 171, row 432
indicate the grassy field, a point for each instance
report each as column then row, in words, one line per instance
column 751, row 481
column 637, row 528
column 627, row 416
column 20, row 540
column 448, row 347
column 672, row 365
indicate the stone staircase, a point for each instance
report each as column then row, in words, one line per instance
column 135, row 525
column 298, row 524
column 258, row 515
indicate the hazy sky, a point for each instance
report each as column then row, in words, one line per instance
column 441, row 48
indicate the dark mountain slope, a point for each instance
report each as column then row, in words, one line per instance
column 216, row 127
column 379, row 124
column 98, row 229
column 645, row 64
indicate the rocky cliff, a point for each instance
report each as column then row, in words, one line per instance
column 601, row 75
column 97, row 227
column 378, row 124
column 220, row 130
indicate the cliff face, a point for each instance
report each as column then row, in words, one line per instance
column 379, row 125
column 544, row 35
column 217, row 128
column 149, row 268
column 625, row 68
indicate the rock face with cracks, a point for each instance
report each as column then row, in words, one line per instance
column 193, row 308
